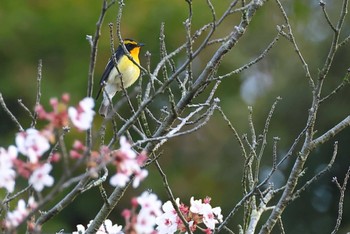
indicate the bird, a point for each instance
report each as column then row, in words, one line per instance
column 126, row 70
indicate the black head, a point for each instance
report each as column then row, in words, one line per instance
column 131, row 44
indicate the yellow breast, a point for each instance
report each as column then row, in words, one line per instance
column 129, row 71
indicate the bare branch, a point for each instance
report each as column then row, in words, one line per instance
column 341, row 199
column 9, row 113
column 344, row 82
column 20, row 102
column 297, row 50
column 256, row 60
column 323, row 6
column 318, row 175
column 171, row 197
column 331, row 133
column 93, row 56
column 38, row 91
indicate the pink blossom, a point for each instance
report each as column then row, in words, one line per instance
column 14, row 218
column 58, row 118
column 139, row 176
column 125, row 148
column 78, row 150
column 145, row 223
column 127, row 164
column 168, row 221
column 196, row 206
column 32, row 144
column 208, row 216
column 41, row 177
column 83, row 115
column 150, row 203
column 7, row 174
column 150, row 209
column 211, row 216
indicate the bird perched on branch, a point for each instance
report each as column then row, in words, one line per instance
column 125, row 70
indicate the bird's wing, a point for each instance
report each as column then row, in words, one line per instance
column 110, row 65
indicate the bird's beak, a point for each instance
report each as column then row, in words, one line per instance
column 140, row 44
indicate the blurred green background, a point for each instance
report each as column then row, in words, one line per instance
column 208, row 162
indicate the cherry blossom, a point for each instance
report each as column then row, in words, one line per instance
column 211, row 216
column 119, row 179
column 58, row 118
column 78, row 150
column 127, row 163
column 15, row 217
column 32, row 144
column 83, row 115
column 7, row 174
column 41, row 177
column 150, row 203
column 106, row 228
column 168, row 221
column 150, row 209
column 145, row 223
column 196, row 205
column 199, row 212
column 139, row 176
column 141, row 218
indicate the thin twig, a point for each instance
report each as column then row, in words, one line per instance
column 344, row 82
column 318, row 175
column 323, row 6
column 20, row 102
column 9, row 113
column 256, row 60
column 341, row 199
column 293, row 41
column 93, row 56
column 38, row 91
column 171, row 197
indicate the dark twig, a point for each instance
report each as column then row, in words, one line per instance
column 9, row 113
column 344, row 82
column 323, row 6
column 20, row 102
column 318, row 175
column 171, row 197
column 296, row 48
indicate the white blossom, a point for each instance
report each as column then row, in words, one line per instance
column 15, row 217
column 106, row 228
column 41, row 178
column 83, row 115
column 7, row 174
column 32, row 144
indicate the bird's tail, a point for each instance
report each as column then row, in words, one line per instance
column 103, row 111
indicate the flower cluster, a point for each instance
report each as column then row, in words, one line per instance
column 199, row 212
column 142, row 217
column 7, row 173
column 58, row 117
column 106, row 228
column 20, row 213
column 31, row 159
column 81, row 116
column 29, row 156
column 34, row 144
column 146, row 217
column 128, row 163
